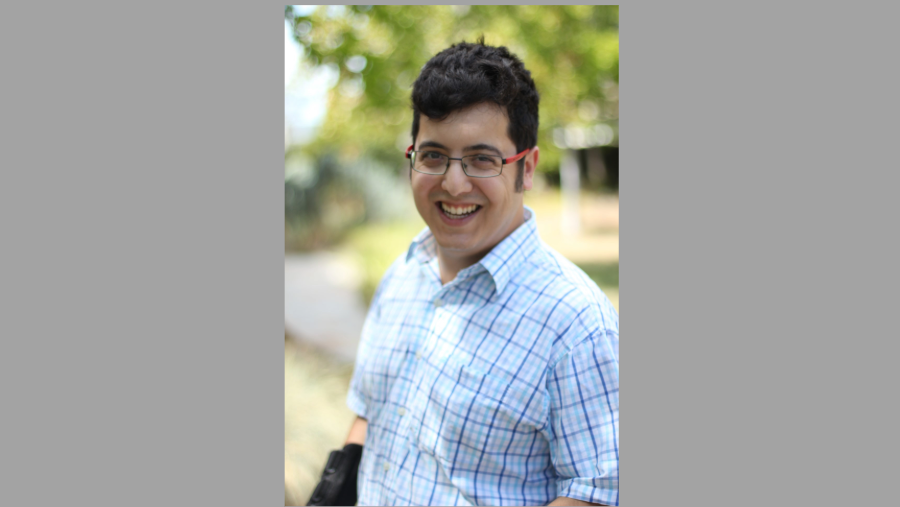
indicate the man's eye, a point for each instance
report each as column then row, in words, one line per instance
column 432, row 155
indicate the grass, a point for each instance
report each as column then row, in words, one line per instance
column 604, row 274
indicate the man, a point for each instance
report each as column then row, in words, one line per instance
column 487, row 371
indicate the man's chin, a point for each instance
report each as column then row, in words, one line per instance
column 454, row 243
column 455, row 246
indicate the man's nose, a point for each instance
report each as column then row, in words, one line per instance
column 455, row 180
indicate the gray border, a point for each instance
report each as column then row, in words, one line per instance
column 142, row 264
column 753, row 154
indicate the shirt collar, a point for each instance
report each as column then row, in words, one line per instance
column 500, row 262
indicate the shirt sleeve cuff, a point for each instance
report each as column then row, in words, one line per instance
column 356, row 403
column 594, row 490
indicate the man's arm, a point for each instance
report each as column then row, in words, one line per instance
column 585, row 450
column 564, row 500
column 357, row 433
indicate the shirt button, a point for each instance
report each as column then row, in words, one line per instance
column 386, row 466
column 418, row 354
column 438, row 302
column 401, row 411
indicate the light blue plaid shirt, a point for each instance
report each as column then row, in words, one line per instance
column 499, row 388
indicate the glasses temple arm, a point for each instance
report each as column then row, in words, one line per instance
column 512, row 158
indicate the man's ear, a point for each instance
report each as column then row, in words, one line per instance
column 531, row 161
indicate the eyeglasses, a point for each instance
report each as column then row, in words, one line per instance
column 475, row 166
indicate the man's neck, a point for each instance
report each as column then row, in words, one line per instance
column 450, row 265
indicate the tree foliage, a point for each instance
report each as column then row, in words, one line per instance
column 572, row 52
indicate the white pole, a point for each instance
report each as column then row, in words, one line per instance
column 569, row 180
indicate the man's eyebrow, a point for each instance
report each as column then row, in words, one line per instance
column 432, row 144
column 483, row 146
column 474, row 147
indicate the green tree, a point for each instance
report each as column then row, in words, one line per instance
column 572, row 52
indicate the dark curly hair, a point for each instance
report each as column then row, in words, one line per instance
column 467, row 74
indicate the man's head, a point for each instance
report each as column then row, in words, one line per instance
column 473, row 101
column 464, row 75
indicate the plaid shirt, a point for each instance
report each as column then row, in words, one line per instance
column 499, row 388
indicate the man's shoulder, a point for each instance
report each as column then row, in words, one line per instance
column 405, row 273
column 563, row 278
column 400, row 268
column 574, row 305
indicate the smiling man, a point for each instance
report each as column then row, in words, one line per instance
column 473, row 208
column 487, row 371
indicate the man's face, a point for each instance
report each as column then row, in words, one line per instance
column 497, row 206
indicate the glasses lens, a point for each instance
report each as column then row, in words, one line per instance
column 431, row 162
column 482, row 165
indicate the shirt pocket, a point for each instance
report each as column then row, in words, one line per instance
column 472, row 422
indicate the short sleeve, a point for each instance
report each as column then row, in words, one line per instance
column 356, row 398
column 584, row 420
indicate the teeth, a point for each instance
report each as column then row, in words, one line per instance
column 462, row 210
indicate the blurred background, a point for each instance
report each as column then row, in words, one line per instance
column 348, row 209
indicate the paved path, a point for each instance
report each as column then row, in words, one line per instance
column 322, row 303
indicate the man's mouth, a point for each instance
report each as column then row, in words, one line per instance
column 456, row 212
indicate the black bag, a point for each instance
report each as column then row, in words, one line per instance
column 338, row 483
